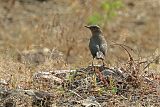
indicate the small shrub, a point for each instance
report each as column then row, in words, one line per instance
column 109, row 9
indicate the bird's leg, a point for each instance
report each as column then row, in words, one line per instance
column 92, row 62
column 93, row 67
column 103, row 62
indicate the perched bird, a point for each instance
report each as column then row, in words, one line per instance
column 97, row 43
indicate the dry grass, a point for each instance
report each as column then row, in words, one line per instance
column 60, row 24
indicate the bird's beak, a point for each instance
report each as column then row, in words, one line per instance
column 87, row 26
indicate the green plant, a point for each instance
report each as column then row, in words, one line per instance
column 114, row 90
column 96, row 18
column 112, row 85
column 109, row 8
column 70, row 76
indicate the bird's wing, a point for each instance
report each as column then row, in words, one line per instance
column 93, row 48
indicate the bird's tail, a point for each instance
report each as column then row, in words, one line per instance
column 99, row 54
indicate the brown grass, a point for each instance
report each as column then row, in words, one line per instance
column 60, row 24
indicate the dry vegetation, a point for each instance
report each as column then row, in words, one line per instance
column 49, row 35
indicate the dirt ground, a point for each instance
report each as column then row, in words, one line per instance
column 59, row 24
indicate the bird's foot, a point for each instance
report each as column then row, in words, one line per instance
column 103, row 64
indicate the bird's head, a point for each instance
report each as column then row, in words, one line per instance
column 94, row 28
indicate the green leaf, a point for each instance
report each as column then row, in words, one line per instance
column 114, row 90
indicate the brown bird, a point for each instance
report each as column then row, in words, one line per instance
column 97, row 43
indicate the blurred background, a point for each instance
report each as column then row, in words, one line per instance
column 59, row 24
